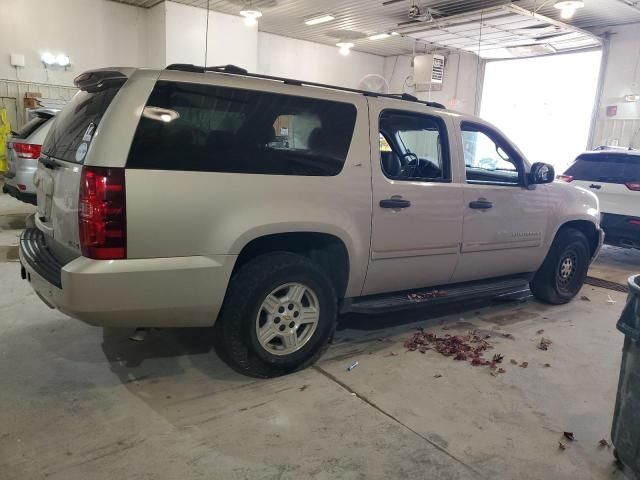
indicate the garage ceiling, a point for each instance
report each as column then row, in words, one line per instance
column 454, row 25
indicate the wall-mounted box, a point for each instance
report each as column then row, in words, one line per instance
column 17, row 60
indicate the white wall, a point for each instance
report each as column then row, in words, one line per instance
column 302, row 60
column 229, row 39
column 156, row 26
column 621, row 77
column 93, row 33
column 459, row 86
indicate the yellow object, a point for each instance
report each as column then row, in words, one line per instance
column 5, row 132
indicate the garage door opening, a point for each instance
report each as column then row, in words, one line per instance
column 544, row 104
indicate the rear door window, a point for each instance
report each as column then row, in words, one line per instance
column 74, row 127
column 607, row 168
column 218, row 129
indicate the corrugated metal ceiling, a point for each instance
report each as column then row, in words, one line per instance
column 355, row 20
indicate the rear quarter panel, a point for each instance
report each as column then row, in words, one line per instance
column 180, row 213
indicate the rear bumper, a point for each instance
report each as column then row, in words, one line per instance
column 621, row 230
column 12, row 190
column 158, row 292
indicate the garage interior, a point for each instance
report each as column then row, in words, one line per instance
column 81, row 402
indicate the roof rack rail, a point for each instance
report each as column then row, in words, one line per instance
column 234, row 70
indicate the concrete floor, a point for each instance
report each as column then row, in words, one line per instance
column 79, row 402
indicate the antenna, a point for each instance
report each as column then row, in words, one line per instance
column 206, row 34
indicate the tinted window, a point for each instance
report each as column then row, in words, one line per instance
column 30, row 127
column 486, row 157
column 75, row 125
column 413, row 147
column 610, row 168
column 218, row 129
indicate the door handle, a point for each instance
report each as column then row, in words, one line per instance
column 595, row 186
column 395, row 202
column 481, row 205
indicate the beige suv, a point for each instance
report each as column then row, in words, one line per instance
column 190, row 197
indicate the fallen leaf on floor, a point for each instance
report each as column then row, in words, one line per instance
column 514, row 362
column 303, row 388
column 502, row 370
column 584, row 298
column 524, row 364
column 562, row 446
column 569, row 436
column 604, row 443
column 469, row 347
column 544, row 343
column 509, row 336
column 446, row 328
column 540, row 332
column 497, row 358
column 547, row 365
column 382, row 339
column 493, row 374
column 437, row 375
column 391, row 354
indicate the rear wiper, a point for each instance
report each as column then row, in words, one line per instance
column 50, row 163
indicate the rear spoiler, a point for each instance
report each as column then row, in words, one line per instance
column 97, row 80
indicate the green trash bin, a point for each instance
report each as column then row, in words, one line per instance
column 625, row 433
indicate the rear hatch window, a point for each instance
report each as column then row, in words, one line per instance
column 607, row 168
column 76, row 124
column 31, row 126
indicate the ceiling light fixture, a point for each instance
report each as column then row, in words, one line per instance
column 51, row 60
column 633, row 97
column 379, row 36
column 568, row 7
column 318, row 19
column 395, row 34
column 345, row 48
column 251, row 17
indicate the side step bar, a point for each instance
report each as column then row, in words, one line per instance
column 411, row 299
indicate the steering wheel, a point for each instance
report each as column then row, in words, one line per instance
column 410, row 164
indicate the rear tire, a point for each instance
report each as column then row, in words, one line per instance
column 564, row 271
column 278, row 316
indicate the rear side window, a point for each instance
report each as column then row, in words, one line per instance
column 73, row 128
column 608, row 168
column 30, row 127
column 217, row 129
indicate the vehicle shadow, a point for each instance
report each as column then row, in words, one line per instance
column 173, row 352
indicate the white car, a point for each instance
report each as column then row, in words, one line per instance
column 614, row 176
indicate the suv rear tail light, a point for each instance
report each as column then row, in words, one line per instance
column 635, row 186
column 565, row 178
column 27, row 150
column 102, row 213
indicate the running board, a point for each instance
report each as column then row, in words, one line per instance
column 411, row 299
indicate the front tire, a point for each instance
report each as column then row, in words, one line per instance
column 564, row 271
column 278, row 316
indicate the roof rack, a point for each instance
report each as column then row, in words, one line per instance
column 234, row 70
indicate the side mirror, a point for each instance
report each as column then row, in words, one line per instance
column 542, row 173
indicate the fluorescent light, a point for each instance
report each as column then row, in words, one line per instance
column 319, row 19
column 634, row 97
column 395, row 34
column 379, row 36
column 345, row 47
column 568, row 7
column 251, row 17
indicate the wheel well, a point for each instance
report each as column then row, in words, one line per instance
column 326, row 251
column 588, row 229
